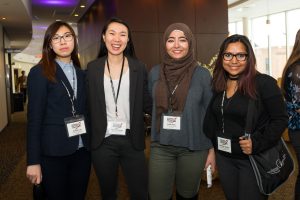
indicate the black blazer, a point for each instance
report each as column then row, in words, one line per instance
column 140, row 101
column 48, row 105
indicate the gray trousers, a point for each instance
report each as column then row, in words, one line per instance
column 169, row 164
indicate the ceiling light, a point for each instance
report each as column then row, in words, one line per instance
column 4, row 18
column 82, row 6
column 76, row 15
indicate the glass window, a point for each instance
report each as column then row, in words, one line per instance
column 277, row 43
column 239, row 28
column 293, row 26
column 260, row 43
column 231, row 28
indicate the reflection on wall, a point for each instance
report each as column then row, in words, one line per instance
column 148, row 20
column 3, row 101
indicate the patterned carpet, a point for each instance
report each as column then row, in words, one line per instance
column 15, row 186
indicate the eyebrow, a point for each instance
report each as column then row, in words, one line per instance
column 112, row 30
column 236, row 53
column 64, row 33
column 179, row 37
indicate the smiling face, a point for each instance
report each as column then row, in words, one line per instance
column 235, row 66
column 177, row 45
column 116, row 38
column 62, row 44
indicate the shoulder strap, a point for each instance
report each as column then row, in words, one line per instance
column 250, row 117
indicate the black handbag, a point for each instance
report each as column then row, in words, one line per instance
column 273, row 166
column 38, row 192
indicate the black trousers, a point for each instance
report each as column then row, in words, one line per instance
column 66, row 177
column 118, row 151
column 238, row 179
column 295, row 140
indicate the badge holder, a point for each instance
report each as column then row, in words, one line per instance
column 171, row 122
column 75, row 125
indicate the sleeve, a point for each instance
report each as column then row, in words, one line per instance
column 206, row 77
column 37, row 101
column 147, row 97
column 210, row 121
column 292, row 88
column 269, row 129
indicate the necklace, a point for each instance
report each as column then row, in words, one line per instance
column 233, row 78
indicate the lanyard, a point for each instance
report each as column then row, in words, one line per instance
column 112, row 85
column 72, row 98
column 222, row 111
column 171, row 93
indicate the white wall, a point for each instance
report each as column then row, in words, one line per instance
column 3, row 100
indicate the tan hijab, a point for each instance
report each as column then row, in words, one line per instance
column 172, row 71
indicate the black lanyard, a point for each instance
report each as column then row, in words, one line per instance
column 222, row 112
column 72, row 98
column 112, row 85
column 171, row 93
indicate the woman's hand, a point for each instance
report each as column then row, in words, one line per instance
column 246, row 145
column 34, row 174
column 211, row 160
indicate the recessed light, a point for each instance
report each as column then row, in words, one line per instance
column 82, row 6
column 76, row 15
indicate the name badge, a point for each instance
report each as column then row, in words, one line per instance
column 75, row 125
column 224, row 144
column 116, row 128
column 171, row 121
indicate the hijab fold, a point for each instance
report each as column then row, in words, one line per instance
column 172, row 71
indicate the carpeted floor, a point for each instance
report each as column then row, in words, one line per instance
column 15, row 186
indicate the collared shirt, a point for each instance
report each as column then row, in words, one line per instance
column 70, row 72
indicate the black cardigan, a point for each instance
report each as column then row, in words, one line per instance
column 270, row 117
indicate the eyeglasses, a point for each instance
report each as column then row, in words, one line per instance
column 238, row 56
column 67, row 37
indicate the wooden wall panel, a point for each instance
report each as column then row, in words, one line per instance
column 211, row 16
column 141, row 15
column 208, row 45
column 171, row 11
column 148, row 20
column 147, row 47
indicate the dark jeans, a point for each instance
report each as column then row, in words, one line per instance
column 295, row 140
column 118, row 151
column 66, row 177
column 238, row 179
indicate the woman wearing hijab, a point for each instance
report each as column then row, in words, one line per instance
column 181, row 92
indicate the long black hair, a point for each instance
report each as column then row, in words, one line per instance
column 128, row 51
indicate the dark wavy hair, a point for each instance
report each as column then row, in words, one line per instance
column 294, row 57
column 246, row 82
column 48, row 55
column 128, row 51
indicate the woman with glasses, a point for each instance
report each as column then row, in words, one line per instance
column 235, row 82
column 290, row 85
column 181, row 92
column 57, row 139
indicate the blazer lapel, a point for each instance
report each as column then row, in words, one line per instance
column 133, row 81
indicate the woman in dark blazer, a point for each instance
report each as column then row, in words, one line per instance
column 118, row 97
column 57, row 140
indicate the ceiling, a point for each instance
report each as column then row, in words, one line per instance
column 238, row 9
column 26, row 27
column 26, row 20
